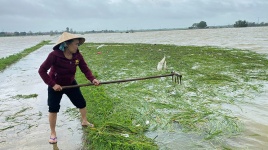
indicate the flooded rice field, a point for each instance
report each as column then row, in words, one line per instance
column 12, row 45
column 254, row 39
column 24, row 121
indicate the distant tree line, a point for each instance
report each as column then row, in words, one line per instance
column 244, row 23
column 30, row 33
column 239, row 23
column 200, row 25
column 21, row 33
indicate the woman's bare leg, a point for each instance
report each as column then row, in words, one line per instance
column 52, row 122
column 83, row 112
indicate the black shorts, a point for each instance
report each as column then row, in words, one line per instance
column 74, row 94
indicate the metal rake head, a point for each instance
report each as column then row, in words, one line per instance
column 176, row 77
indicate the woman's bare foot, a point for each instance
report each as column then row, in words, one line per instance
column 87, row 124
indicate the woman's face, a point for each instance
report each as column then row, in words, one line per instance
column 73, row 46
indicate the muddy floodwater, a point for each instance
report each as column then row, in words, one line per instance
column 24, row 121
column 12, row 45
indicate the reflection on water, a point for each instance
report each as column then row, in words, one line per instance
column 26, row 124
column 55, row 146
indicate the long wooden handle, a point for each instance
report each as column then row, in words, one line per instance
column 174, row 75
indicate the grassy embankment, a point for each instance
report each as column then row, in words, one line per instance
column 212, row 78
column 7, row 61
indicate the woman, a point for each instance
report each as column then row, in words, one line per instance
column 62, row 63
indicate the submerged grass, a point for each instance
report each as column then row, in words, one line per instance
column 212, row 78
column 7, row 61
column 20, row 96
column 17, row 114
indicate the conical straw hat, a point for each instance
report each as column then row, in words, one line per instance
column 68, row 36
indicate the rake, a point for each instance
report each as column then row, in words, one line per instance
column 176, row 77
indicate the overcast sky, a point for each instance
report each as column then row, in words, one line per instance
column 87, row 15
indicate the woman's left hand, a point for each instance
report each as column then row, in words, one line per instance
column 96, row 82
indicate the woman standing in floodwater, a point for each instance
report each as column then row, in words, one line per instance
column 62, row 62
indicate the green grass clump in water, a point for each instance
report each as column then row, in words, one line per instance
column 212, row 77
column 19, row 96
column 17, row 114
column 7, row 61
column 109, row 134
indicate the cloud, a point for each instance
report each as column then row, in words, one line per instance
column 46, row 15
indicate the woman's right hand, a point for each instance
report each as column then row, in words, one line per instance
column 96, row 82
column 57, row 87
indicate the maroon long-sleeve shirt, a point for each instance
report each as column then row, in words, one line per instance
column 62, row 70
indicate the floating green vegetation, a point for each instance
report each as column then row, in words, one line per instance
column 72, row 112
column 212, row 78
column 17, row 114
column 19, row 96
column 7, row 61
column 6, row 128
